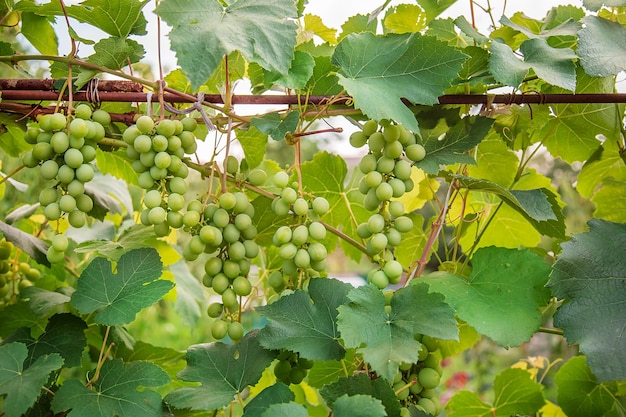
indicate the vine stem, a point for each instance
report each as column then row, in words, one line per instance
column 548, row 330
column 101, row 357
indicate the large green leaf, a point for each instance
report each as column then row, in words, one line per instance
column 595, row 5
column 610, row 200
column 434, row 8
column 327, row 372
column 206, row 30
column 607, row 163
column 290, row 409
column 22, row 385
column 598, row 57
column 387, row 340
column 114, row 53
column 274, row 125
column 515, row 394
column 306, row 323
column 116, row 164
column 223, row 370
column 379, row 71
column 453, row 148
column 358, row 405
column 64, row 334
column 590, row 276
column 505, row 286
column 278, row 393
column 135, row 237
column 580, row 394
column 253, row 142
column 115, row 392
column 115, row 17
column 40, row 33
column 42, row 301
column 117, row 298
column 361, row 384
column 34, row 247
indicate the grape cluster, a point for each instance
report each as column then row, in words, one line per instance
column 157, row 151
column 14, row 275
column 299, row 245
column 386, row 176
column 240, row 171
column 291, row 368
column 64, row 153
column 224, row 230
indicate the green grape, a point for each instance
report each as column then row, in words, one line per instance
column 379, row 279
column 370, row 127
column 376, row 223
column 58, row 121
column 29, row 160
column 59, row 243
column 174, row 219
column 231, row 233
column 235, row 331
column 415, row 152
column 42, row 151
column 391, row 133
column 67, row 203
column 215, row 310
column 242, row 221
column 402, row 170
column 178, row 185
column 396, row 208
column 229, row 298
column 317, row 231
column 219, row 329
column 147, row 158
column 84, row 173
column 276, row 281
column 280, row 207
column 89, row 153
column 302, row 258
column 232, row 165
column 406, row 138
column 211, row 235
column 162, row 160
column 189, row 124
column 145, row 180
column 188, row 141
column 394, row 238
column 429, row 378
column 403, row 224
column 378, row 242
column 83, row 111
column 191, row 218
column 358, row 139
column 300, row 235
column 297, row 375
column 220, row 283
column 242, row 286
column 257, row 177
column 385, row 165
column 145, row 124
column 33, row 274
column 231, row 269
column 195, row 244
column 76, row 219
column 142, row 143
column 368, row 163
column 77, row 142
column 376, row 143
column 54, row 256
column 373, row 179
column 288, row 251
column 102, row 117
column 300, row 206
column 427, row 405
column 48, row 196
column 5, row 250
column 317, row 252
column 281, row 179
column 78, row 128
column 252, row 249
column 166, row 127
column 320, row 206
column 60, row 142
column 282, row 369
column 289, row 195
column 213, row 266
column 371, row 201
column 242, row 204
column 397, row 187
column 44, row 137
column 49, row 169
column 236, row 251
column 174, row 145
column 393, row 269
column 152, row 199
column 393, row 150
column 195, row 205
column 227, row 201
column 160, row 143
column 384, row 192
column 157, row 215
column 73, row 158
column 401, row 394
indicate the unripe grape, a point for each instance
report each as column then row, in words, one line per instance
column 241, row 286
column 191, row 218
column 393, row 269
column 378, row 242
column 65, row 174
column 289, row 195
column 54, row 256
column 57, row 121
column 49, row 169
column 189, row 124
column 394, row 238
column 376, row 223
column 393, row 150
column 379, row 279
column 300, row 235
column 42, row 151
column 281, row 179
column 385, row 165
column 229, row 298
column 283, row 235
column 384, row 192
column 145, row 124
column 288, row 251
column 398, row 187
column 403, row 224
column 373, row 179
column 78, row 128
column 429, row 378
column 166, row 127
column 391, row 133
column 76, row 142
column 232, row 165
column 60, row 142
column 396, row 208
column 178, row 185
column 242, row 221
column 76, row 219
column 370, row 127
column 257, row 177
column 162, row 160
column 75, row 188
column 302, row 258
column 73, row 158
column 188, row 141
column 252, row 249
column 67, row 203
column 235, row 331
column 317, row 252
column 415, row 152
column 317, row 231
column 402, row 170
column 368, row 163
column 102, row 117
column 215, row 310
column 236, row 251
column 227, row 201
column 59, row 243
column 300, row 207
column 427, row 405
column 219, row 329
column 358, row 139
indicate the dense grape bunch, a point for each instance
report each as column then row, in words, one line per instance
column 157, row 151
column 386, row 177
column 14, row 275
column 291, row 368
column 299, row 244
column 223, row 229
column 64, row 149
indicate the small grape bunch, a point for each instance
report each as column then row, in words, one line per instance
column 224, row 230
column 299, row 245
column 416, row 383
column 157, row 151
column 240, row 171
column 64, row 153
column 291, row 368
column 14, row 275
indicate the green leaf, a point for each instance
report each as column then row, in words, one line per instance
column 610, row 201
column 538, row 206
column 41, row 301
column 404, row 18
column 327, row 372
column 189, row 293
column 325, row 176
column 596, row 5
column 170, row 360
column 115, row 392
column 21, row 387
column 495, row 162
column 505, row 286
column 109, row 194
column 290, row 409
column 135, row 237
column 598, row 57
column 324, row 81
column 379, row 71
column 579, row 393
column 278, row 393
column 358, row 24
column 19, row 315
column 117, row 298
column 361, row 384
column 516, row 393
column 12, row 139
column 590, row 274
column 505, row 66
column 607, row 164
column 223, row 370
column 64, row 334
column 262, row 30
column 114, row 53
column 434, row 8
column 386, row 340
column 413, row 242
column 116, row 164
column 40, row 33
column 306, row 323
column 358, row 405
column 115, row 17
column 299, row 73
column 32, row 246
column 453, row 148
column 273, row 125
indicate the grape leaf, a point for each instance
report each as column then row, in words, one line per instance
column 115, row 392
column 254, row 143
column 116, row 164
column 109, row 194
column 596, row 5
column 300, row 72
column 610, row 200
column 64, row 334
column 223, row 370
column 515, row 394
column 327, row 372
column 434, row 8
column 361, row 384
column 580, row 394
column 606, row 163
column 590, row 273
column 453, row 148
column 358, row 405
column 204, row 31
column 598, row 57
column 313, row 25
column 117, row 298
column 306, row 323
column 325, row 176
column 40, row 33
column 115, row 17
column 386, row 340
column 379, row 71
column 135, row 237
column 19, row 315
column 273, row 125
column 290, row 409
column 505, row 286
column 32, row 246
column 19, row 385
column 404, row 18
column 278, row 393
column 189, row 293
column 42, row 301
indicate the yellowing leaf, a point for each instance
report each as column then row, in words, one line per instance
column 313, row 24
column 405, row 18
column 424, row 191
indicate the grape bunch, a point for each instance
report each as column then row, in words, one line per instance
column 224, row 230
column 14, row 275
column 300, row 244
column 64, row 153
column 157, row 151
column 291, row 368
